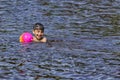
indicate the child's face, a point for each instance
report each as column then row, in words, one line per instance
column 38, row 34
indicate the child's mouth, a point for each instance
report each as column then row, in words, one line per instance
column 38, row 37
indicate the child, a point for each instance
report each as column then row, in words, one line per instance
column 38, row 31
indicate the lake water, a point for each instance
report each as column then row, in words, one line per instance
column 83, row 35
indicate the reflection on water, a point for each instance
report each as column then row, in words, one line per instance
column 83, row 36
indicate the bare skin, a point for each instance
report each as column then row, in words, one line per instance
column 39, row 36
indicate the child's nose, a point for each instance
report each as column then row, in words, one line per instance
column 39, row 33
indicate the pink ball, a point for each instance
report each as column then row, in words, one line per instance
column 26, row 37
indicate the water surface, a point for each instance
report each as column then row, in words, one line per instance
column 83, row 35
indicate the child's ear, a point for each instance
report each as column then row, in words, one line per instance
column 33, row 31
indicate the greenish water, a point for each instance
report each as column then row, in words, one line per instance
column 83, row 35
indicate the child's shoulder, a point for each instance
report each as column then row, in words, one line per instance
column 44, row 39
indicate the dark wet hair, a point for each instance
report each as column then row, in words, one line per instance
column 38, row 26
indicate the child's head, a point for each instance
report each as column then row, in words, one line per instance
column 38, row 26
column 38, row 30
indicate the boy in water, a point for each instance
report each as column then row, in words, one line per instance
column 38, row 31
